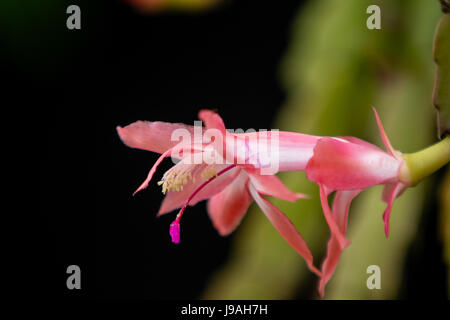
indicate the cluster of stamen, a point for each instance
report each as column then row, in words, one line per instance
column 174, row 180
column 208, row 173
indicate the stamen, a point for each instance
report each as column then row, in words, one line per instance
column 175, row 225
column 208, row 173
column 174, row 180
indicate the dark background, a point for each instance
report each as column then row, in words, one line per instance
column 124, row 66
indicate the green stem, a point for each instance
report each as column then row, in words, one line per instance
column 421, row 164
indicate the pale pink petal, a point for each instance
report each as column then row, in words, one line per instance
column 179, row 149
column 278, row 150
column 289, row 151
column 285, row 227
column 212, row 120
column 388, row 189
column 342, row 165
column 151, row 136
column 176, row 199
column 383, row 134
column 272, row 186
column 387, row 213
column 341, row 205
column 227, row 208
column 334, row 228
column 295, row 150
column 361, row 142
column 152, row 171
column 333, row 254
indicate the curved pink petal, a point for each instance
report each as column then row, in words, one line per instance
column 214, row 126
column 212, row 120
column 275, row 150
column 341, row 205
column 334, row 228
column 152, row 171
column 227, row 208
column 285, row 227
column 342, row 165
column 330, row 263
column 387, row 213
column 272, row 186
column 152, row 136
column 362, row 143
column 176, row 199
column 179, row 148
column 388, row 189
column 383, row 134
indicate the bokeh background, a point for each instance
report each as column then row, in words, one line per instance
column 305, row 66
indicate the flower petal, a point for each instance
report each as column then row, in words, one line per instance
column 388, row 189
column 361, row 142
column 285, row 227
column 387, row 213
column 383, row 134
column 342, row 165
column 152, row 171
column 295, row 150
column 152, row 136
column 179, row 149
column 274, row 150
column 341, row 205
column 212, row 120
column 272, row 186
column 284, row 151
column 227, row 208
column 334, row 228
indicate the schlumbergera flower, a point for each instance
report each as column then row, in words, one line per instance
column 227, row 169
column 349, row 165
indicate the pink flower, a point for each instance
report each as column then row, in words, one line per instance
column 349, row 165
column 243, row 171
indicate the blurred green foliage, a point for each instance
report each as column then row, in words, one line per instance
column 441, row 93
column 334, row 71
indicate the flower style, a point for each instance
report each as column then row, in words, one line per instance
column 349, row 165
column 233, row 180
